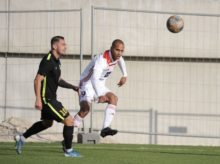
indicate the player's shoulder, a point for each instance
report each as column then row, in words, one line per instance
column 47, row 57
column 99, row 57
column 106, row 56
column 121, row 58
column 46, row 60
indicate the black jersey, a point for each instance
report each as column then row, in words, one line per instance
column 50, row 69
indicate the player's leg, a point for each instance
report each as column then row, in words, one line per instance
column 38, row 127
column 34, row 129
column 46, row 122
column 68, row 130
column 86, row 96
column 70, row 124
column 85, row 107
column 60, row 114
column 112, row 100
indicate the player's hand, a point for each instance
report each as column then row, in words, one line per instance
column 103, row 99
column 122, row 81
column 38, row 104
column 76, row 88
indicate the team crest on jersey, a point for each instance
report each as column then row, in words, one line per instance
column 83, row 93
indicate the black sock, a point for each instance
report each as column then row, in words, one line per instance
column 68, row 136
column 35, row 128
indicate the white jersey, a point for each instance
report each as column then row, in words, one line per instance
column 99, row 70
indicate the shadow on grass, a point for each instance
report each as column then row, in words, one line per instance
column 159, row 152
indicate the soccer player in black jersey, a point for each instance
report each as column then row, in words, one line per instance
column 46, row 82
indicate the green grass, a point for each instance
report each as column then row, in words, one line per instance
column 51, row 153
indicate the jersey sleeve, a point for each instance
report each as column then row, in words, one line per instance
column 122, row 66
column 96, row 77
column 45, row 67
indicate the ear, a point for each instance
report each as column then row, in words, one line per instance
column 54, row 46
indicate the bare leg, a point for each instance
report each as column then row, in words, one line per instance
column 84, row 110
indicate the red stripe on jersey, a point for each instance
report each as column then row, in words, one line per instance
column 107, row 56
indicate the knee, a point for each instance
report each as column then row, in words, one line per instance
column 69, row 121
column 84, row 109
column 113, row 99
column 47, row 123
column 116, row 98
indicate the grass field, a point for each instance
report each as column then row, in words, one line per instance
column 51, row 153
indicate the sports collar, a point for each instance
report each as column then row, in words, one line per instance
column 52, row 55
column 110, row 55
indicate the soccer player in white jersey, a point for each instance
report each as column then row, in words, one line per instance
column 92, row 85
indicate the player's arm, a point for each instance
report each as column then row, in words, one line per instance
column 43, row 70
column 37, row 88
column 123, row 69
column 62, row 83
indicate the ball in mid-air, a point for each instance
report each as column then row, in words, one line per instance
column 175, row 24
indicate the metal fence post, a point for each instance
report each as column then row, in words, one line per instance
column 81, row 54
column 150, row 125
column 155, row 126
column 92, row 55
column 81, row 40
column 6, row 60
column 92, row 31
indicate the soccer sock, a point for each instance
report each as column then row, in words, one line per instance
column 23, row 138
column 34, row 129
column 68, row 136
column 109, row 115
column 77, row 120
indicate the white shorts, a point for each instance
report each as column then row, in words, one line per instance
column 87, row 92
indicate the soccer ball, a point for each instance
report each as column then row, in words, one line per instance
column 175, row 24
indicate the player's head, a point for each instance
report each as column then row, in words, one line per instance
column 117, row 49
column 58, row 44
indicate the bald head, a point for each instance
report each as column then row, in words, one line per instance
column 116, row 42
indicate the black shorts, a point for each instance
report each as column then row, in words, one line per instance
column 53, row 110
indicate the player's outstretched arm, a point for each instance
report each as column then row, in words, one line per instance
column 37, row 88
column 62, row 83
column 123, row 69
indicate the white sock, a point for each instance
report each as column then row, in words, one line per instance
column 23, row 138
column 20, row 137
column 109, row 115
column 77, row 120
column 69, row 150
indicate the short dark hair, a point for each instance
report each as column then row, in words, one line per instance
column 117, row 41
column 55, row 39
